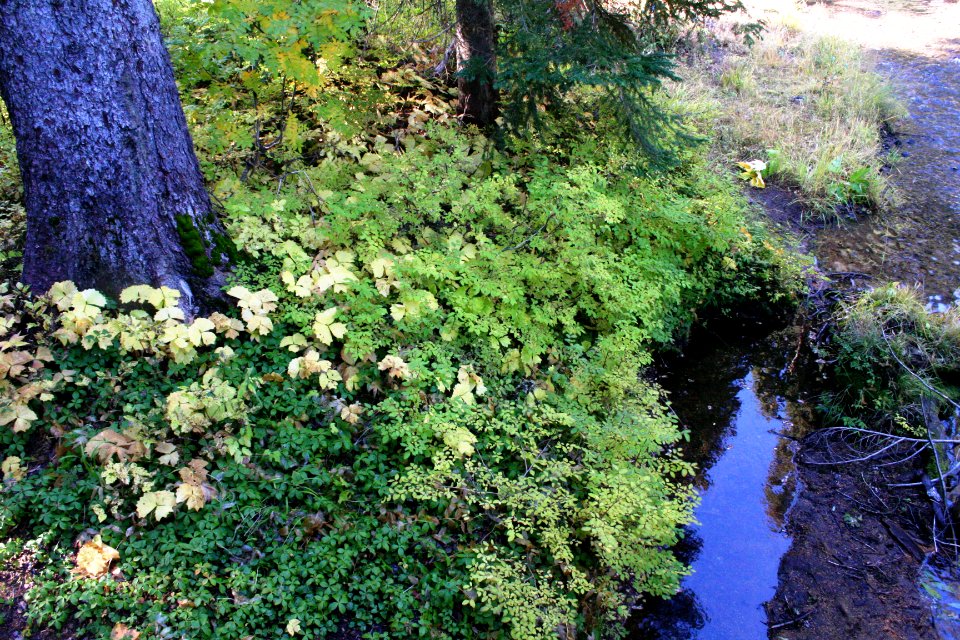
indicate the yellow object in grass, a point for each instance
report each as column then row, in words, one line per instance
column 753, row 171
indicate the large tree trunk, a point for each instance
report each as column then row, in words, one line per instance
column 113, row 191
column 477, row 61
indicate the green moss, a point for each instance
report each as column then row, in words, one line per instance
column 224, row 246
column 192, row 243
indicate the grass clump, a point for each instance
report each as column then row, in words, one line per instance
column 889, row 354
column 806, row 105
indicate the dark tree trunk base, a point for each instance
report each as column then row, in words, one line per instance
column 106, row 157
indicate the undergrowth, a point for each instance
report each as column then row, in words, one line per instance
column 888, row 354
column 423, row 415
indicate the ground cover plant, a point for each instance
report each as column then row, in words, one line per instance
column 420, row 412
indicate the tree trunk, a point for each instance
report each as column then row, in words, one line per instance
column 113, row 191
column 476, row 61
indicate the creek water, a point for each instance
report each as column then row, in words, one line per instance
column 734, row 396
column 735, row 399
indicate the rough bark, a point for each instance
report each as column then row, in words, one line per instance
column 476, row 62
column 105, row 154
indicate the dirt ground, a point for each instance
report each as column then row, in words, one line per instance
column 857, row 549
column 15, row 581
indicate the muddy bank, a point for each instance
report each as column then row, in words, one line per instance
column 918, row 241
column 858, row 546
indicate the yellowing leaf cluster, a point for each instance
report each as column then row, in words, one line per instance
column 193, row 487
column 311, row 364
column 325, row 329
column 197, row 407
column 332, row 273
column 255, row 309
column 159, row 503
column 13, row 470
column 469, row 385
column 395, row 367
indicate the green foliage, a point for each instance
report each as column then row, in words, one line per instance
column 613, row 56
column 889, row 352
column 424, row 417
column 12, row 216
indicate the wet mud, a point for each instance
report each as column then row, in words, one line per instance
column 858, row 548
column 918, row 241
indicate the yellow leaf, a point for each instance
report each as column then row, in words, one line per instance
column 395, row 367
column 468, row 384
column 123, row 632
column 351, row 413
column 94, row 558
column 168, row 454
column 325, row 329
column 382, row 267
column 61, row 293
column 259, row 326
column 296, row 342
column 169, row 313
column 12, row 469
column 201, row 332
column 230, row 327
column 293, row 626
column 160, row 503
column 19, row 414
column 460, row 440
column 108, row 443
column 192, row 495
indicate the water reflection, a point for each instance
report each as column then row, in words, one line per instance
column 731, row 397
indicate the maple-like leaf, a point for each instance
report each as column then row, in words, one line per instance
column 460, row 440
column 192, row 495
column 328, row 377
column 193, row 488
column 336, row 277
column 123, row 632
column 382, row 267
column 351, row 413
column 259, row 325
column 160, row 503
column 61, row 293
column 296, row 342
column 109, row 443
column 21, row 415
column 168, row 314
column 168, row 454
column 395, row 367
column 201, row 332
column 468, row 384
column 12, row 468
column 94, row 558
column 325, row 329
column 161, row 298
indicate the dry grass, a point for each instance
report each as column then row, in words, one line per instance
column 808, row 105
